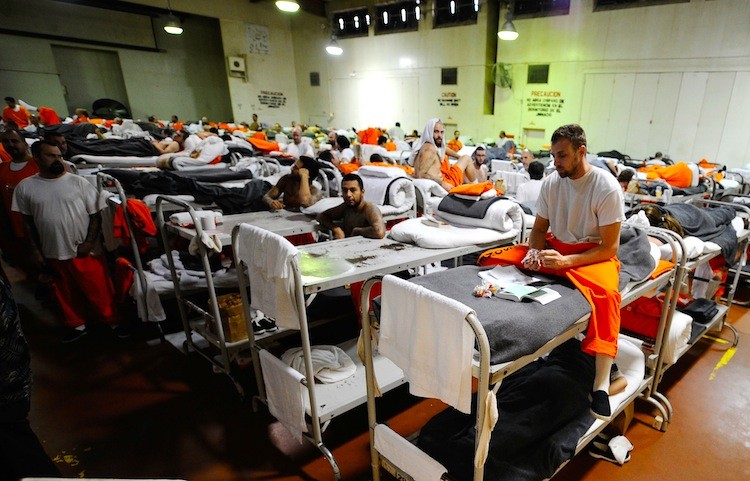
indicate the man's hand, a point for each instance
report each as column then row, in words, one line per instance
column 304, row 173
column 338, row 233
column 276, row 204
column 84, row 248
column 551, row 259
column 531, row 260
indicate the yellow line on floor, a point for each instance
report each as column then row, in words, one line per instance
column 722, row 362
column 717, row 339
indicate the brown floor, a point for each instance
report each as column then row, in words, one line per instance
column 105, row 407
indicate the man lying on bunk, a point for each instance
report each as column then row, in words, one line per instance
column 295, row 190
column 582, row 208
column 355, row 216
column 430, row 161
column 170, row 146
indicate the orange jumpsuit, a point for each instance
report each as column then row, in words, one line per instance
column 597, row 282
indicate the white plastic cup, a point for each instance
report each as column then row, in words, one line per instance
column 208, row 222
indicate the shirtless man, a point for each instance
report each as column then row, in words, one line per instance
column 430, row 161
column 296, row 188
column 167, row 146
column 355, row 216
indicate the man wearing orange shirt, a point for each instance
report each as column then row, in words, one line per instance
column 455, row 143
column 22, row 165
column 15, row 113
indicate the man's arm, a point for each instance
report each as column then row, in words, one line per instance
column 427, row 165
column 35, row 244
column 329, row 217
column 95, row 228
column 605, row 250
column 451, row 153
column 170, row 147
column 305, row 194
column 376, row 229
column 538, row 236
column 272, row 196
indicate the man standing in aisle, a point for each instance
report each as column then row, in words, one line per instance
column 63, row 222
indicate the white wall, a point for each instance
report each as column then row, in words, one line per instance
column 672, row 78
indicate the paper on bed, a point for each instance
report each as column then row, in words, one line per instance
column 514, row 329
column 425, row 334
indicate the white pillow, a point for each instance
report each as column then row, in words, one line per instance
column 383, row 172
column 413, row 231
column 322, row 205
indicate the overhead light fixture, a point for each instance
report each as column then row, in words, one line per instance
column 508, row 31
column 333, row 47
column 173, row 25
column 290, row 6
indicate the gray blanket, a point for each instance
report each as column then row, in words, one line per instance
column 709, row 224
column 514, row 329
column 636, row 263
column 476, row 209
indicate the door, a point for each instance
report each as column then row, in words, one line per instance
column 87, row 75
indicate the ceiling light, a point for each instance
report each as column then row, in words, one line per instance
column 508, row 31
column 333, row 47
column 290, row 6
column 173, row 26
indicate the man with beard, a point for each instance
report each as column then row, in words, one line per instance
column 295, row 190
column 61, row 213
column 298, row 148
column 355, row 216
column 21, row 166
column 430, row 161
column 582, row 208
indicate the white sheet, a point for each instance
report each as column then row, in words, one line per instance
column 284, row 394
column 425, row 334
column 269, row 258
column 413, row 231
column 502, row 216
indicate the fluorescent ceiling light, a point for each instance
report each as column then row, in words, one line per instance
column 333, row 47
column 508, row 32
column 173, row 26
column 287, row 5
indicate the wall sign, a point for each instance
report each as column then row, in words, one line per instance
column 544, row 103
column 272, row 100
column 257, row 39
column 449, row 99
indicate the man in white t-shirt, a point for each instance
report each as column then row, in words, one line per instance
column 61, row 213
column 529, row 191
column 298, row 148
column 576, row 234
column 396, row 132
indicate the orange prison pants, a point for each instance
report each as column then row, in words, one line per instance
column 84, row 282
column 451, row 173
column 597, row 282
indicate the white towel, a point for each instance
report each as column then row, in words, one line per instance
column 269, row 259
column 330, row 363
column 284, row 394
column 425, row 335
column 406, row 456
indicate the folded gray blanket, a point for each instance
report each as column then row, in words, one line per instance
column 476, row 209
column 514, row 329
column 636, row 262
column 708, row 224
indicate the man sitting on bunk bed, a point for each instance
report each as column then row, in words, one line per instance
column 431, row 162
column 355, row 216
column 582, row 208
column 295, row 190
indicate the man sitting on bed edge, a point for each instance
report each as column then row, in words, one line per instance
column 582, row 208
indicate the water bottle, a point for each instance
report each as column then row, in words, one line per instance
column 658, row 192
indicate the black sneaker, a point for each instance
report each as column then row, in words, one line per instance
column 600, row 405
column 122, row 332
column 269, row 325
column 257, row 328
column 72, row 335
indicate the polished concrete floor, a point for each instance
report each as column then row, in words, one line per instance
column 106, row 407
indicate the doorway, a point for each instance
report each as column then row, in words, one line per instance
column 89, row 74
